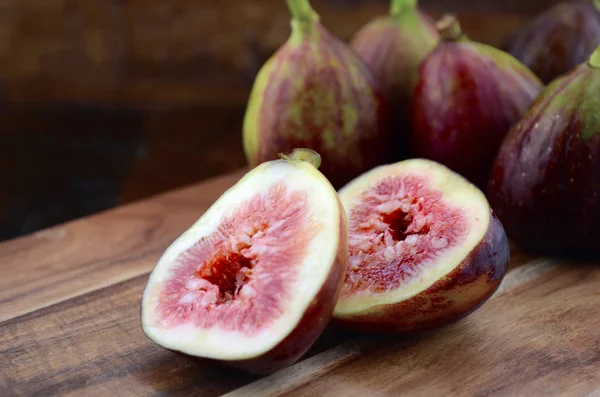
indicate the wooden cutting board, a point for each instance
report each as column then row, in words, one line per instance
column 70, row 324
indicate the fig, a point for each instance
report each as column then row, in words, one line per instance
column 316, row 92
column 254, row 281
column 393, row 47
column 558, row 39
column 468, row 96
column 425, row 249
column 545, row 183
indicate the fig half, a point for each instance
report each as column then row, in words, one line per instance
column 254, row 281
column 425, row 249
column 545, row 184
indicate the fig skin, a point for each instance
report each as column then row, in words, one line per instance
column 450, row 299
column 320, row 310
column 558, row 39
column 393, row 47
column 468, row 96
column 316, row 92
column 545, row 184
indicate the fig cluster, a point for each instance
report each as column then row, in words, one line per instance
column 387, row 176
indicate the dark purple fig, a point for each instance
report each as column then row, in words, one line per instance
column 315, row 92
column 558, row 39
column 545, row 184
column 468, row 96
column 393, row 46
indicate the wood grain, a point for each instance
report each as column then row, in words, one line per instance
column 70, row 306
column 69, row 260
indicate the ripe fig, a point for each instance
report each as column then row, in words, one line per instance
column 558, row 39
column 468, row 96
column 393, row 46
column 316, row 92
column 425, row 249
column 254, row 281
column 545, row 184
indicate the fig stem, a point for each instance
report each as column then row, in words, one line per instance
column 596, row 4
column 398, row 7
column 449, row 28
column 594, row 60
column 302, row 12
column 306, row 155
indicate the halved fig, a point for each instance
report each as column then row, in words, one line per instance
column 254, row 281
column 425, row 249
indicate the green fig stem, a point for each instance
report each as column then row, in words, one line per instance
column 594, row 60
column 449, row 28
column 302, row 11
column 306, row 155
column 398, row 7
column 596, row 4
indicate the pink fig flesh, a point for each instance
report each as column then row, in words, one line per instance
column 254, row 281
column 425, row 249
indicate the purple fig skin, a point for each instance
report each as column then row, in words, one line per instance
column 558, row 39
column 315, row 92
column 468, row 97
column 393, row 47
column 545, row 184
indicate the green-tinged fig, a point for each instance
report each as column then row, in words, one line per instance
column 468, row 96
column 254, row 281
column 393, row 46
column 558, row 39
column 316, row 92
column 545, row 184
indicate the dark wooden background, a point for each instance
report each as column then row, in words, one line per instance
column 106, row 102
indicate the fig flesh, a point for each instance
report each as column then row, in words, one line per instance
column 558, row 39
column 425, row 249
column 316, row 92
column 253, row 282
column 545, row 184
column 393, row 47
column 468, row 96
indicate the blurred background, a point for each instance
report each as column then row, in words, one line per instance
column 106, row 102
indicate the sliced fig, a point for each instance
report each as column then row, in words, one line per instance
column 425, row 249
column 545, row 184
column 254, row 281
column 558, row 39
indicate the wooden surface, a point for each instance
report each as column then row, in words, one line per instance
column 70, row 324
column 104, row 103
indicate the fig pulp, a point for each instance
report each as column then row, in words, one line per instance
column 545, row 184
column 254, row 281
column 425, row 249
column 316, row 92
column 558, row 39
column 468, row 96
column 393, row 47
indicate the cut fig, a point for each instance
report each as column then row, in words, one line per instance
column 425, row 249
column 254, row 281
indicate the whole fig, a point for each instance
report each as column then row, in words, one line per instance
column 393, row 46
column 558, row 39
column 468, row 96
column 315, row 92
column 545, row 184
